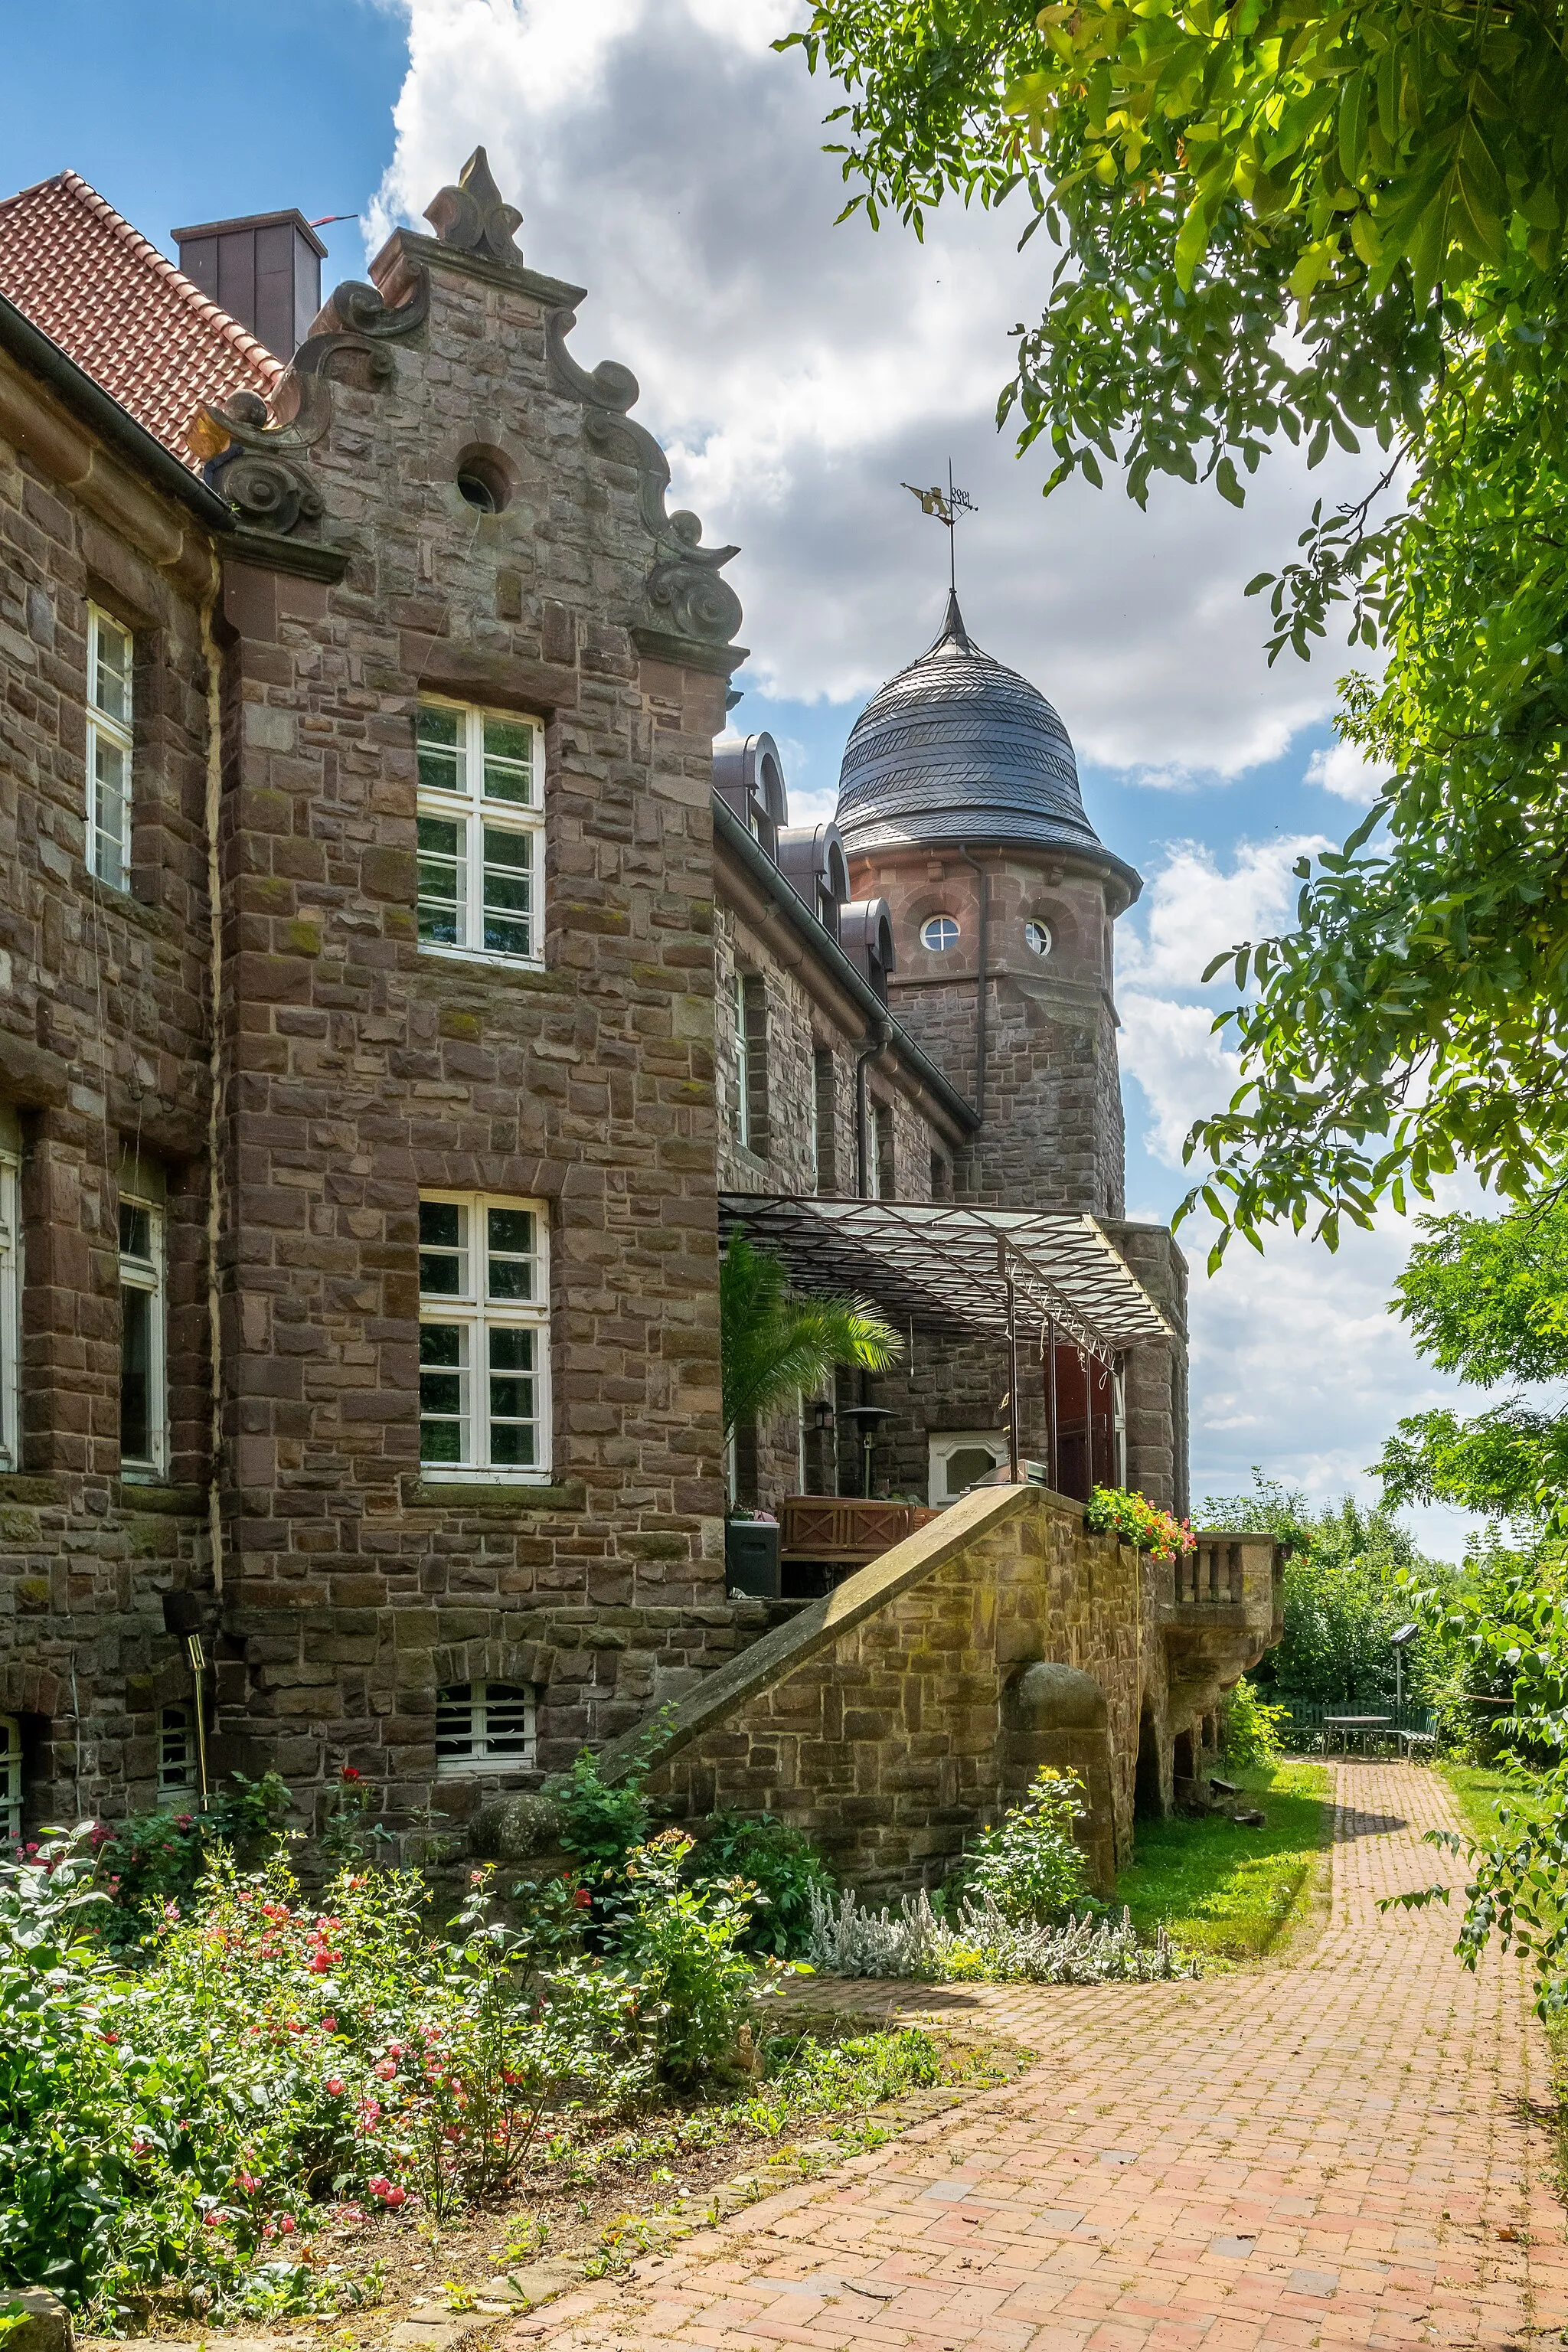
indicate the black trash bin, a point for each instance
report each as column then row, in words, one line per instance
column 751, row 1558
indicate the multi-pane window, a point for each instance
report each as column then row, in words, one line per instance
column 882, row 1133
column 482, row 832
column 176, row 1752
column 751, row 1063
column 143, row 1394
column 10, row 1312
column 10, row 1778
column 108, row 652
column 824, row 1136
column 484, row 1333
column 484, row 1724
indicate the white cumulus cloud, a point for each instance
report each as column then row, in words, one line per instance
column 663, row 156
column 1345, row 771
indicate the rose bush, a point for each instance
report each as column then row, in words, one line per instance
column 275, row 2058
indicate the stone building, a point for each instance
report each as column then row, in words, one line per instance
column 398, row 988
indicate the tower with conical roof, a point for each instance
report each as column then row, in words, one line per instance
column 959, row 803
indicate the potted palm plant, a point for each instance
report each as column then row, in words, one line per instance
column 776, row 1343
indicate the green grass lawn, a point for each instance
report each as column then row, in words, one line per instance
column 1226, row 1892
column 1478, row 1789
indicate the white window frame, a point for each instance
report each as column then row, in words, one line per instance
column 10, row 1311
column 109, row 731
column 743, row 1067
column 10, row 1779
column 177, row 1764
column 477, row 1315
column 148, row 1275
column 944, row 1444
column 486, row 1714
column 941, row 946
column 466, row 804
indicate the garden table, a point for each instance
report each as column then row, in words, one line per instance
column 1359, row 1724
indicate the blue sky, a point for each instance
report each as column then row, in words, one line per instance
column 664, row 157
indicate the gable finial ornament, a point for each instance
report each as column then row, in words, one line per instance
column 474, row 217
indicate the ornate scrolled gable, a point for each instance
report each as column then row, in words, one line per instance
column 689, row 612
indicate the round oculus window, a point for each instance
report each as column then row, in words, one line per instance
column 1037, row 939
column 939, row 932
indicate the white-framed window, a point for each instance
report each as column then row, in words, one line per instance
column 481, row 833
column 143, row 1371
column 962, row 1458
column 177, row 1751
column 484, row 1336
column 1037, row 939
column 109, row 656
column 484, row 1727
column 939, row 932
column 743, row 1067
column 10, row 1779
column 10, row 1311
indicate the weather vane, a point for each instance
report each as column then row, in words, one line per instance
column 947, row 506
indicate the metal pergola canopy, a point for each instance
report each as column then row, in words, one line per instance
column 946, row 1268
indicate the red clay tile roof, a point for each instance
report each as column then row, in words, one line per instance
column 127, row 317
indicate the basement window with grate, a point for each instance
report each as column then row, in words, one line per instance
column 481, row 833
column 484, row 1338
column 10, row 1778
column 484, row 1727
column 176, row 1752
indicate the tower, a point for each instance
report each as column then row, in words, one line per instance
column 959, row 805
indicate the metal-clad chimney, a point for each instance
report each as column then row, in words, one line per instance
column 264, row 269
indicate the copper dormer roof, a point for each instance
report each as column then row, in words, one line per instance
column 127, row 316
column 957, row 746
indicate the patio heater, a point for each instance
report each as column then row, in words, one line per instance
column 1400, row 1641
column 868, row 1416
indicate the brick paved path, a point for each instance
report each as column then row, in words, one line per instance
column 1333, row 2153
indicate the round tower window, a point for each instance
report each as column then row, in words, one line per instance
column 1037, row 939
column 939, row 932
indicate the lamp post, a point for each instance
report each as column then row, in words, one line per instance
column 1400, row 1641
column 822, row 1419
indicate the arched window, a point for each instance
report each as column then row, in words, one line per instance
column 1037, row 939
column 176, row 1752
column 484, row 1724
column 10, row 1778
column 939, row 932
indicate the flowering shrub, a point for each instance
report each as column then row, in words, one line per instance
column 1133, row 1520
column 154, row 1859
column 981, row 1942
column 1029, row 1866
column 779, row 1865
column 272, row 2059
column 1250, row 1732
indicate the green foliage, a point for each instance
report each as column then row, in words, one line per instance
column 1487, row 1298
column 1029, row 1865
column 780, row 1864
column 775, row 1345
column 1507, row 1629
column 1345, row 1592
column 1325, row 226
column 1251, row 1731
column 685, row 1946
column 1133, row 1520
column 1229, row 1893
column 153, row 1860
column 602, row 1821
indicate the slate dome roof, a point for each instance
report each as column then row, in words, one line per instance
column 957, row 746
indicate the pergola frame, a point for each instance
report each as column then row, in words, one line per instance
column 943, row 1267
